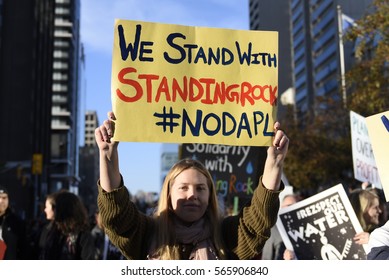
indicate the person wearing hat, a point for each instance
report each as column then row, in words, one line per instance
column 12, row 230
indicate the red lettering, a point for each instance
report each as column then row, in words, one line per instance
column 246, row 94
column 208, row 82
column 195, row 83
column 204, row 90
column 220, row 93
column 149, row 85
column 231, row 94
column 163, row 88
column 182, row 92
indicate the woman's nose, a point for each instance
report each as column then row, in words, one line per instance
column 192, row 193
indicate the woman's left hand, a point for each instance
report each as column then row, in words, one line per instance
column 280, row 145
column 276, row 155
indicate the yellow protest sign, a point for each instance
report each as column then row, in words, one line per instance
column 378, row 127
column 182, row 84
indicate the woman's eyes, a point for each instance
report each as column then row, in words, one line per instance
column 198, row 188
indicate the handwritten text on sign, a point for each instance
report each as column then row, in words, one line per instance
column 181, row 84
column 365, row 168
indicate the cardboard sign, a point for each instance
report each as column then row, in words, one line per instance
column 182, row 84
column 365, row 168
column 378, row 126
column 322, row 227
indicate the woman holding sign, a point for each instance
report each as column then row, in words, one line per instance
column 187, row 223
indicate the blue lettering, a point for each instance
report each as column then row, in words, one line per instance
column 244, row 56
column 135, row 47
column 222, row 127
column 208, row 131
column 231, row 117
column 244, row 124
column 170, row 40
column 195, row 129
column 190, row 47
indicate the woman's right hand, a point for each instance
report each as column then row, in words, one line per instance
column 105, row 132
column 109, row 158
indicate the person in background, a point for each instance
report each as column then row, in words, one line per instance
column 384, row 215
column 105, row 250
column 378, row 245
column 274, row 248
column 187, row 224
column 68, row 236
column 366, row 205
column 12, row 230
column 50, row 214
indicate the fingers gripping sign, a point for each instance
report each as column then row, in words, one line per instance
column 281, row 141
column 105, row 132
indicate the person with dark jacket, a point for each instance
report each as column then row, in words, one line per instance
column 379, row 243
column 68, row 236
column 12, row 230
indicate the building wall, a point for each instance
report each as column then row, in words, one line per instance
column 66, row 97
column 89, row 163
column 28, row 107
column 308, row 45
column 26, row 30
column 315, row 44
column 275, row 16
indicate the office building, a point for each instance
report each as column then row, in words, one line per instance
column 317, row 59
column 275, row 16
column 65, row 96
column 89, row 163
column 39, row 99
column 315, row 54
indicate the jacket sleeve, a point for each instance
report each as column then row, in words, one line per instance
column 379, row 243
column 245, row 234
column 125, row 226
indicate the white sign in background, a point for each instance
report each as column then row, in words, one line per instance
column 365, row 168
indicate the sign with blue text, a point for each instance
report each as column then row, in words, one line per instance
column 183, row 84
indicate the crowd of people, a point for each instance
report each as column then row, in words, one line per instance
column 66, row 232
column 186, row 221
